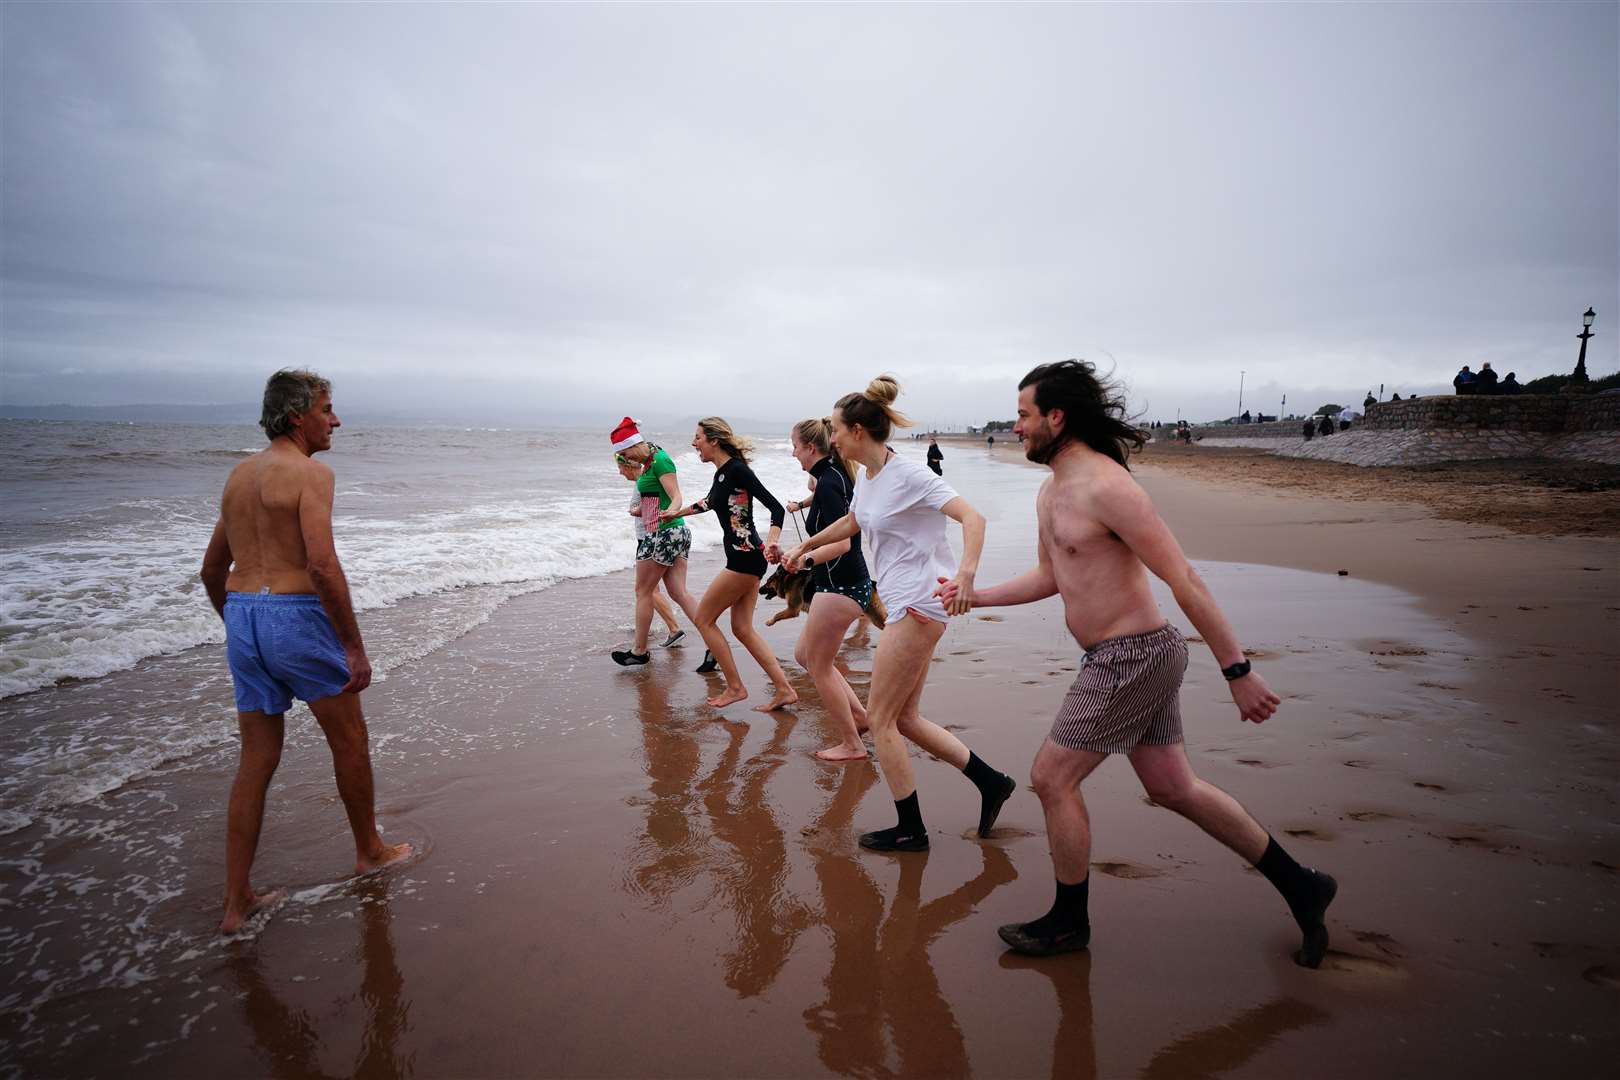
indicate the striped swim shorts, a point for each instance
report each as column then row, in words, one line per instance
column 1128, row 694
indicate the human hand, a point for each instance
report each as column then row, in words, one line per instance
column 792, row 557
column 666, row 516
column 773, row 553
column 793, row 506
column 359, row 670
column 957, row 593
column 1255, row 700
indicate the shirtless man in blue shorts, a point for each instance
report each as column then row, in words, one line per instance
column 273, row 575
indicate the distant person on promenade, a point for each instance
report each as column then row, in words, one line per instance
column 936, row 456
column 843, row 587
column 1463, row 382
column 1369, row 401
column 1099, row 538
column 736, row 588
column 1394, row 397
column 900, row 510
column 1485, row 381
column 1310, row 429
column 272, row 573
column 644, row 513
column 1510, row 385
column 1325, row 427
column 663, row 553
column 990, row 441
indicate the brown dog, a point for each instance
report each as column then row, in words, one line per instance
column 794, row 587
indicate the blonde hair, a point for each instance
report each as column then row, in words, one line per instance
column 817, row 432
column 719, row 432
column 873, row 408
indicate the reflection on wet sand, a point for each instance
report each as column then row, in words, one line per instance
column 289, row 1039
column 751, row 877
column 1226, row 1046
column 1074, row 1048
column 881, row 976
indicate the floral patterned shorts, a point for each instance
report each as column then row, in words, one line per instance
column 665, row 546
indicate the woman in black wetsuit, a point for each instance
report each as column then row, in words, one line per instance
column 843, row 587
column 737, row 586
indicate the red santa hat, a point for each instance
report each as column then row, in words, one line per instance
column 626, row 435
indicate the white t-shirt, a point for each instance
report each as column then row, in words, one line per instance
column 903, row 535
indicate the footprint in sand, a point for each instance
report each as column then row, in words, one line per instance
column 1125, row 870
column 989, row 618
column 1309, row 834
column 1369, row 816
column 1393, row 649
column 1428, row 787
column 1255, row 763
column 1382, row 942
column 1000, row 832
column 1602, row 975
column 1356, row 964
column 1357, row 763
column 1468, row 840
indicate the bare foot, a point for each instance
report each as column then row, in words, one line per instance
column 390, row 853
column 236, row 915
column 784, row 697
column 729, row 696
column 843, row 752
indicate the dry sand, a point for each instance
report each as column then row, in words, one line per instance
column 620, row 882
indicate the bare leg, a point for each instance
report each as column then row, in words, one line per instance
column 725, row 590
column 345, row 727
column 898, row 672
column 830, row 616
column 742, row 625
column 648, row 574
column 1056, row 775
column 666, row 611
column 261, row 752
column 1167, row 776
column 675, row 584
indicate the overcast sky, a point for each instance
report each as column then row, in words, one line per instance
column 594, row 210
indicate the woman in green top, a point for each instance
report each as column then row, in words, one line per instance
column 661, row 555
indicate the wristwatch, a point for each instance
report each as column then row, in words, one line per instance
column 1237, row 670
column 808, row 560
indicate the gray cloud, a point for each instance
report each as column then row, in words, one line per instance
column 744, row 209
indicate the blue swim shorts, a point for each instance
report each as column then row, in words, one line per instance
column 281, row 646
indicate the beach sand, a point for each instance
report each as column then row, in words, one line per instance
column 617, row 881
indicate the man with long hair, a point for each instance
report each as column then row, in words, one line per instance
column 1099, row 538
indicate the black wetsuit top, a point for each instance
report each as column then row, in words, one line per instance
column 828, row 503
column 731, row 498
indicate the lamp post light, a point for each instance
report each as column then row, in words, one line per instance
column 1586, row 332
column 1240, row 386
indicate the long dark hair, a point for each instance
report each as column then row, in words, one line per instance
column 1093, row 409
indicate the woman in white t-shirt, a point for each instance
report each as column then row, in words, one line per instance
column 900, row 509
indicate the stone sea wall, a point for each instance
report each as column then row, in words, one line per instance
column 1423, row 431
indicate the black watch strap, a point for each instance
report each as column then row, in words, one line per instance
column 1237, row 670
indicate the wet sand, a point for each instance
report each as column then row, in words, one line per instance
column 618, row 881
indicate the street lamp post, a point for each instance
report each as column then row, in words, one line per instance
column 1586, row 332
column 1242, row 373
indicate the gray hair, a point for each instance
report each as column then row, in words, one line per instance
column 289, row 393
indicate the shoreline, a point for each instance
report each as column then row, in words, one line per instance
column 599, row 844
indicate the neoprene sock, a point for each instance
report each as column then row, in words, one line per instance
column 995, row 788
column 1308, row 893
column 910, row 834
column 1069, row 912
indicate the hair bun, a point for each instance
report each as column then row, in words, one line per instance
column 884, row 390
